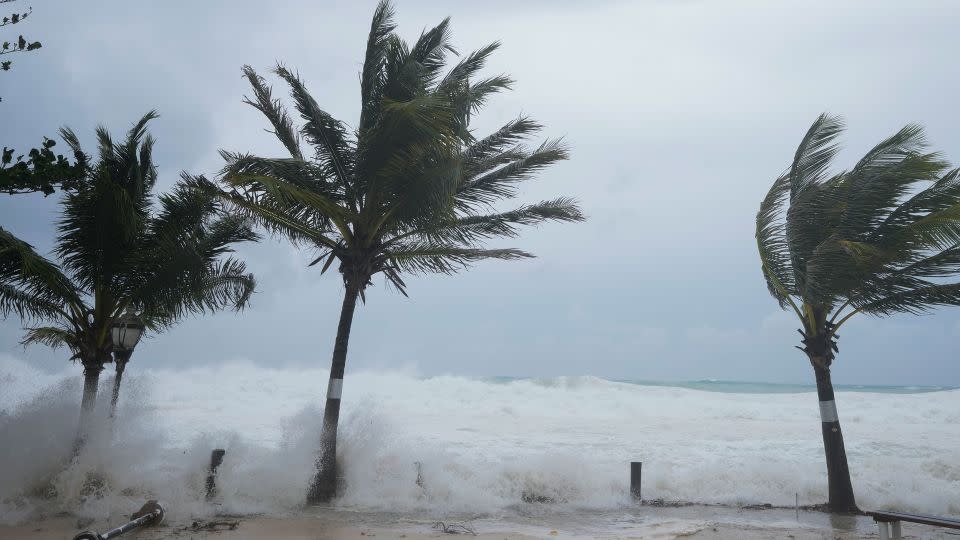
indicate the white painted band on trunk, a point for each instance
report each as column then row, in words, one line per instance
column 828, row 411
column 334, row 389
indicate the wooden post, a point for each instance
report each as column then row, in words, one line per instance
column 216, row 458
column 635, row 467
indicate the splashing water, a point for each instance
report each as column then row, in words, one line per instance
column 484, row 446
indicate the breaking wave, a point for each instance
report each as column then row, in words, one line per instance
column 476, row 445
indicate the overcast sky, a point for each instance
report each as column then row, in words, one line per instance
column 679, row 114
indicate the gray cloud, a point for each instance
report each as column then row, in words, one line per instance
column 680, row 115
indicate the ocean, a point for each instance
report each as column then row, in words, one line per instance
column 484, row 446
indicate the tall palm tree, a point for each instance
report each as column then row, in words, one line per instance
column 411, row 190
column 120, row 249
column 879, row 239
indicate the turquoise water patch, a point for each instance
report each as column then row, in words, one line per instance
column 746, row 387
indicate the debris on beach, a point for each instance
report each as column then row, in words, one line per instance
column 454, row 528
column 151, row 513
column 215, row 525
column 763, row 506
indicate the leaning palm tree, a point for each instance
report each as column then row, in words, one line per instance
column 879, row 239
column 188, row 238
column 411, row 190
column 120, row 252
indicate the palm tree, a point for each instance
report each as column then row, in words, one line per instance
column 120, row 252
column 411, row 190
column 879, row 239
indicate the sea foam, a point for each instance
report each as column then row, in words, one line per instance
column 480, row 446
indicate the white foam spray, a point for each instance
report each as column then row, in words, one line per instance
column 483, row 447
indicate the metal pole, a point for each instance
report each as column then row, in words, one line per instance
column 150, row 513
column 635, row 468
column 884, row 530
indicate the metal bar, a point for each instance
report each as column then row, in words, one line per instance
column 150, row 513
column 127, row 527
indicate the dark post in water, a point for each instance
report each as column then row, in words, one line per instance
column 216, row 458
column 635, row 467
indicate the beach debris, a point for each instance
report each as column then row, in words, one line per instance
column 215, row 525
column 454, row 528
column 763, row 506
column 151, row 513
column 663, row 503
column 532, row 497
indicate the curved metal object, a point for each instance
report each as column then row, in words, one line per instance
column 150, row 513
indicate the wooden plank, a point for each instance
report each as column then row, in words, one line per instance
column 936, row 521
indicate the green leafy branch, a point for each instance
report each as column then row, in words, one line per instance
column 43, row 171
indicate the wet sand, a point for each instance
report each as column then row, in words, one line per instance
column 694, row 522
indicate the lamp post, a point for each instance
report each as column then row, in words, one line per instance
column 124, row 334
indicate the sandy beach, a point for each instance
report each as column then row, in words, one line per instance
column 694, row 522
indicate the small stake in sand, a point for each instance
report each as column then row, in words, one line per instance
column 150, row 513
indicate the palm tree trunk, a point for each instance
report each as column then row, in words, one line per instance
column 120, row 359
column 324, row 484
column 91, row 380
column 838, row 472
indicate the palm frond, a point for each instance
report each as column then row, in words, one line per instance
column 255, row 190
column 772, row 242
column 498, row 148
column 468, row 67
column 915, row 301
column 878, row 183
column 30, row 285
column 270, row 214
column 221, row 285
column 327, row 134
column 471, row 230
column 426, row 257
column 483, row 190
column 264, row 102
column 51, row 336
column 372, row 78
column 430, row 52
column 813, row 156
